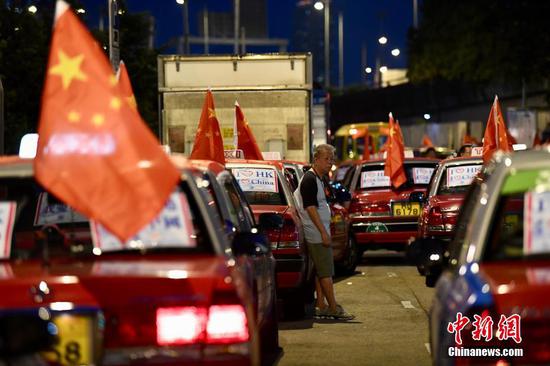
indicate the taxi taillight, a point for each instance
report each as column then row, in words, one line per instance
column 219, row 324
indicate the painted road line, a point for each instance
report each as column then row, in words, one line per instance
column 407, row 305
column 392, row 274
column 428, row 348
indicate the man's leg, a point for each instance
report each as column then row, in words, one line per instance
column 328, row 292
column 320, row 297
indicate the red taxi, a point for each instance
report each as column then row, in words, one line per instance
column 436, row 225
column 174, row 294
column 268, row 191
column 380, row 215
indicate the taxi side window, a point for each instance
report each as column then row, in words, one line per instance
column 505, row 240
column 236, row 207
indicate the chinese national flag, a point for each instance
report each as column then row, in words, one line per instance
column 126, row 85
column 94, row 152
column 395, row 150
column 208, row 140
column 427, row 141
column 368, row 149
column 496, row 135
column 245, row 137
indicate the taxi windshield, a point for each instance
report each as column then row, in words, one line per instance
column 519, row 228
column 457, row 179
column 418, row 175
column 261, row 186
column 37, row 225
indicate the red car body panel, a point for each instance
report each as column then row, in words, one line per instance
column 448, row 210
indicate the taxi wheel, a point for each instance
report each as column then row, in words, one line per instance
column 421, row 269
column 353, row 257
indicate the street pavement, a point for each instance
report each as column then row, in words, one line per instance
column 390, row 302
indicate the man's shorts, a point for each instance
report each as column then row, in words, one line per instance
column 322, row 259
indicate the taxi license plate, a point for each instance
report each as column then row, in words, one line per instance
column 75, row 341
column 405, row 209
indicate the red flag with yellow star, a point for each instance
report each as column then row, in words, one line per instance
column 245, row 138
column 208, row 143
column 126, row 85
column 496, row 135
column 94, row 151
column 395, row 155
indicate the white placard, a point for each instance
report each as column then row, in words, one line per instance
column 171, row 228
column 536, row 223
column 477, row 151
column 458, row 176
column 374, row 178
column 256, row 179
column 422, row 175
column 271, row 155
column 55, row 213
column 7, row 218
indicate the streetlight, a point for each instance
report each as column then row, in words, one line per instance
column 382, row 40
column 185, row 26
column 368, row 70
column 320, row 5
column 81, row 11
column 383, row 69
column 32, row 9
column 395, row 52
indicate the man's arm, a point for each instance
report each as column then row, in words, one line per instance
column 314, row 215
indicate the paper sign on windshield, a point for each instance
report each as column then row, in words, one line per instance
column 171, row 228
column 48, row 213
column 536, row 219
column 458, row 176
column 7, row 217
column 374, row 178
column 477, row 151
column 256, row 180
column 422, row 175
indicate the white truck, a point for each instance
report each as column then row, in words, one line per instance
column 274, row 92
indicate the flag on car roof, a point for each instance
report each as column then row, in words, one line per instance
column 125, row 85
column 427, row 141
column 395, row 155
column 496, row 135
column 95, row 153
column 245, row 138
column 208, row 143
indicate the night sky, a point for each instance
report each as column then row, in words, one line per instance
column 364, row 21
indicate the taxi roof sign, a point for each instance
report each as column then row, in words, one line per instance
column 271, row 155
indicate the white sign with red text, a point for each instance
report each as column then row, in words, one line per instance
column 48, row 213
column 7, row 218
column 422, row 175
column 536, row 223
column 256, row 179
column 458, row 176
column 171, row 228
column 374, row 178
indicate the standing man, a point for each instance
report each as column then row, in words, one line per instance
column 316, row 219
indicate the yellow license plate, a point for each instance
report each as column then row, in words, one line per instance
column 75, row 341
column 405, row 209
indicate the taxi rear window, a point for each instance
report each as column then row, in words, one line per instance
column 372, row 176
column 457, row 179
column 35, row 223
column 261, row 186
column 519, row 228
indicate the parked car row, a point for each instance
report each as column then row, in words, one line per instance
column 196, row 286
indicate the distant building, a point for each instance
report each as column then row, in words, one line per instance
column 253, row 18
column 308, row 36
column 394, row 77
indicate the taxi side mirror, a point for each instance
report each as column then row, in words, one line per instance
column 417, row 197
column 270, row 221
column 249, row 243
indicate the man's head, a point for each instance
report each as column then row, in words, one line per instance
column 323, row 158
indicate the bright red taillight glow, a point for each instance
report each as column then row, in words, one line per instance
column 181, row 325
column 190, row 324
column 226, row 324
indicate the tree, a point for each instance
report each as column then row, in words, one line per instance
column 481, row 41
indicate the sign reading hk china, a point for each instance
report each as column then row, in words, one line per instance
column 507, row 328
